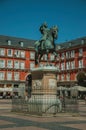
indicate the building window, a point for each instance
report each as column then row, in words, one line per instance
column 62, row 77
column 72, row 53
column 45, row 57
column 32, row 65
column 23, row 54
column 58, row 66
column 82, row 41
column 16, row 75
column 52, row 57
column 9, row 75
column 10, row 64
column 10, row 52
column 67, row 65
column 80, row 52
column 72, row 64
column 22, row 65
column 16, row 64
column 17, row 53
column 21, row 43
column 62, row 66
column 2, row 63
column 32, row 55
column 1, row 75
column 80, row 63
column 68, row 77
column 2, row 51
column 9, row 42
column 68, row 54
column 62, row 56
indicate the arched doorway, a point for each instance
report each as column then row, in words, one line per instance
column 28, row 85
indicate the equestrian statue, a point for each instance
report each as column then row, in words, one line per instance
column 46, row 44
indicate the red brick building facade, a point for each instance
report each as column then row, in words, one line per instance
column 17, row 58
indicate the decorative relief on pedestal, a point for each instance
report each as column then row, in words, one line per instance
column 52, row 83
column 37, row 84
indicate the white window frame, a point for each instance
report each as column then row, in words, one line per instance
column 81, row 52
column 52, row 57
column 2, row 75
column 62, row 77
column 32, row 65
column 2, row 63
column 10, row 53
column 16, row 76
column 68, row 77
column 62, row 66
column 9, row 64
column 17, row 53
column 22, row 54
column 72, row 64
column 67, row 65
column 73, row 53
column 9, row 75
column 16, row 64
column 2, row 51
column 68, row 54
column 32, row 55
column 9, row 42
column 44, row 57
column 62, row 56
column 80, row 63
column 22, row 65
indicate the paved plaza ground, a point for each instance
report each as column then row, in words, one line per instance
column 62, row 121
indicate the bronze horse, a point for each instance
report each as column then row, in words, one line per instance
column 47, row 46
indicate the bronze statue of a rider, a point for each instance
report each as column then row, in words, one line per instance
column 44, row 31
column 46, row 44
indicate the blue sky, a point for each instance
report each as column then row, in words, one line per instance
column 22, row 18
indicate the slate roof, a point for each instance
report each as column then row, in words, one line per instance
column 15, row 42
column 72, row 43
column 28, row 43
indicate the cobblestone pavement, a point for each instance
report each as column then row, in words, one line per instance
column 12, row 121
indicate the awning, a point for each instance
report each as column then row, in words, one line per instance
column 78, row 88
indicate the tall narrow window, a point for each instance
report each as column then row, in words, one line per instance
column 16, row 64
column 10, row 52
column 72, row 64
column 68, row 77
column 22, row 54
column 52, row 57
column 2, row 51
column 16, row 75
column 32, row 65
column 21, row 43
column 62, row 77
column 2, row 75
column 17, row 53
column 72, row 53
column 9, row 64
column 80, row 52
column 22, row 65
column 32, row 55
column 2, row 63
column 62, row 66
column 80, row 63
column 9, row 75
column 9, row 42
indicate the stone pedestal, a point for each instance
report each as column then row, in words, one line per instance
column 44, row 90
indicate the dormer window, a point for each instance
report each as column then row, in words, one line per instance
column 21, row 43
column 9, row 42
column 82, row 41
column 70, row 44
